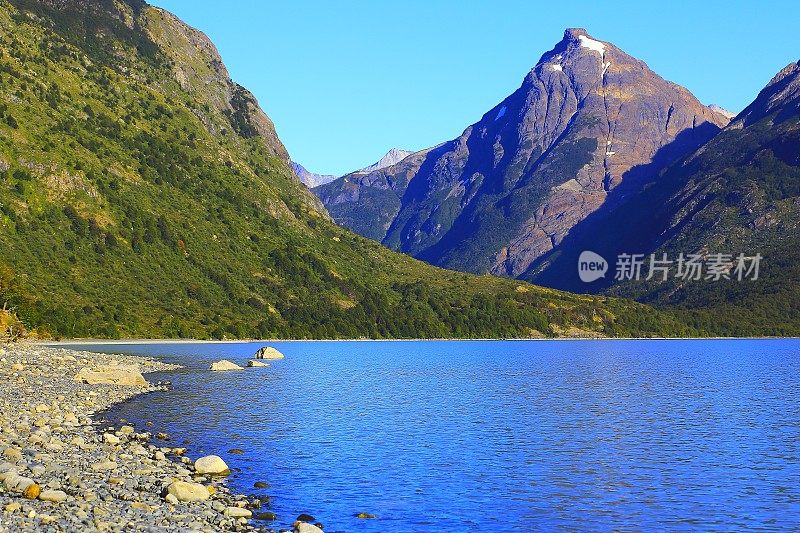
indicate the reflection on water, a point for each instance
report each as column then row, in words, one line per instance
column 500, row 436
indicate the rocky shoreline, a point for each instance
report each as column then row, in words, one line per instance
column 61, row 471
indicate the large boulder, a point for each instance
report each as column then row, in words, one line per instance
column 255, row 363
column 183, row 491
column 268, row 352
column 211, row 464
column 224, row 365
column 128, row 375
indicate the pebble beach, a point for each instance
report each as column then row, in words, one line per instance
column 60, row 470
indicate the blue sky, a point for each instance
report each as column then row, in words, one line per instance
column 346, row 80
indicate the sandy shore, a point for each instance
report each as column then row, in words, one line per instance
column 60, row 472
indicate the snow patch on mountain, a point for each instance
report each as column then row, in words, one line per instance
column 591, row 44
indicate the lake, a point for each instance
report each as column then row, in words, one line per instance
column 498, row 436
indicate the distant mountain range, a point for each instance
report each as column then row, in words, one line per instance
column 393, row 156
column 311, row 179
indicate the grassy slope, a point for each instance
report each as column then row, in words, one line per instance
column 136, row 201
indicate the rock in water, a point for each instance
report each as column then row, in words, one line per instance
column 254, row 363
column 211, row 464
column 129, row 375
column 268, row 352
column 304, row 527
column 224, row 365
column 184, row 491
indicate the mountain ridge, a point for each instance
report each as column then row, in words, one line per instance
column 586, row 118
column 144, row 194
column 737, row 194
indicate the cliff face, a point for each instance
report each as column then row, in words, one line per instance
column 587, row 121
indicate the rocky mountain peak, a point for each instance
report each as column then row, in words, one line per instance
column 587, row 119
column 722, row 111
column 781, row 95
column 392, row 157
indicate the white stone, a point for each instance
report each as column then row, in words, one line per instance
column 211, row 464
column 184, row 491
column 55, row 496
column 237, row 512
column 128, row 375
column 224, row 365
column 254, row 363
column 305, row 527
column 268, row 352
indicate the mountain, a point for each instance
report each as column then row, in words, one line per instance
column 738, row 194
column 145, row 194
column 310, row 179
column 722, row 111
column 588, row 126
column 392, row 157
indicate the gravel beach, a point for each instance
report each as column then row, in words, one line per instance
column 60, row 471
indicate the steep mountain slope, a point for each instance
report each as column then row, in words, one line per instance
column 587, row 121
column 310, row 179
column 145, row 194
column 738, row 194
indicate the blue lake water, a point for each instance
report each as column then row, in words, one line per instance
column 499, row 436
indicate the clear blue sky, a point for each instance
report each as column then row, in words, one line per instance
column 345, row 80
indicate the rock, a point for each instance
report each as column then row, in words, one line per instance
column 184, row 491
column 17, row 367
column 236, row 451
column 266, row 515
column 224, row 365
column 171, row 498
column 141, row 506
column 22, row 485
column 268, row 352
column 365, row 516
column 55, row 496
column 104, row 466
column 211, row 464
column 128, row 375
column 237, row 512
column 12, row 454
column 304, row 527
column 261, row 485
column 254, row 363
column 304, row 517
column 13, row 507
column 110, row 438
